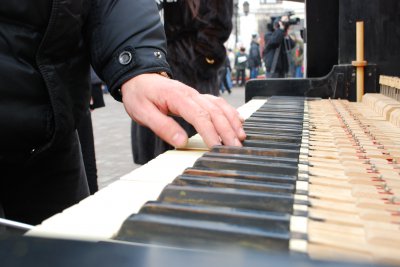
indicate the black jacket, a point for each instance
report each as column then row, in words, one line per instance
column 274, row 41
column 254, row 55
column 196, row 48
column 46, row 47
column 267, row 53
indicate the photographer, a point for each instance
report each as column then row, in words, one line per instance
column 277, row 49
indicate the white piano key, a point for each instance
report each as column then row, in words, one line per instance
column 165, row 167
column 100, row 216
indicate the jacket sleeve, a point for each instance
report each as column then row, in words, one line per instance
column 126, row 39
column 275, row 39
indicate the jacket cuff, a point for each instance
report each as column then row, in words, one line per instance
column 130, row 62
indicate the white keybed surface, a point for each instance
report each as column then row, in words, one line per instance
column 100, row 216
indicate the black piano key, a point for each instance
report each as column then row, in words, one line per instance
column 270, row 128
column 245, row 165
column 265, row 159
column 271, row 144
column 266, row 125
column 278, row 106
column 288, row 155
column 281, row 109
column 273, row 130
column 287, row 113
column 237, row 174
column 186, row 233
column 274, row 138
column 274, row 114
column 283, row 122
column 281, row 112
column 228, row 197
column 275, row 133
column 277, row 119
column 270, row 221
column 196, row 180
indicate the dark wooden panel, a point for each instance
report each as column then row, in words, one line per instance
column 331, row 34
column 382, row 33
column 322, row 36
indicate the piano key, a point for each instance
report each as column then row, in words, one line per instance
column 186, row 179
column 234, row 198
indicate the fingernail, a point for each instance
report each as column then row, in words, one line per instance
column 179, row 140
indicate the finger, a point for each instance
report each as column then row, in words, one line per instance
column 147, row 105
column 198, row 116
column 162, row 125
column 221, row 122
column 235, row 119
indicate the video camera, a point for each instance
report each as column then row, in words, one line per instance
column 286, row 20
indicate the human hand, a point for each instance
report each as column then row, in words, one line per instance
column 281, row 26
column 149, row 98
column 285, row 18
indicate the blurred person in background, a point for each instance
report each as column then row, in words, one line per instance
column 254, row 60
column 226, row 78
column 299, row 58
column 241, row 63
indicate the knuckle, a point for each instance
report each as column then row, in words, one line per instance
column 216, row 110
column 203, row 115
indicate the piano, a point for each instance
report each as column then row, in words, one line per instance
column 316, row 178
column 317, row 182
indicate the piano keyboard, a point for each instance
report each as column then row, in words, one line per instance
column 100, row 216
column 315, row 176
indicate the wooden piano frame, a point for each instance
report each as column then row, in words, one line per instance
column 340, row 83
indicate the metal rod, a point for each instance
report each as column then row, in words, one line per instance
column 14, row 224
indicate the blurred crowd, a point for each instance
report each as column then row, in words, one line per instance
column 278, row 55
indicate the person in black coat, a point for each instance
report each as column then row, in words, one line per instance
column 46, row 49
column 267, row 53
column 196, row 31
column 277, row 51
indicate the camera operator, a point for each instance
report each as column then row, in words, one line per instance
column 277, row 49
